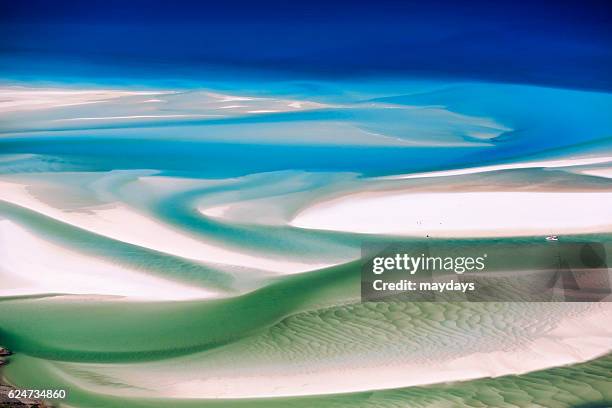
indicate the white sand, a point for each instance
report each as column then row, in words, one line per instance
column 16, row 98
column 123, row 223
column 31, row 265
column 136, row 104
column 138, row 117
column 577, row 338
column 600, row 172
column 461, row 214
column 582, row 161
column 216, row 212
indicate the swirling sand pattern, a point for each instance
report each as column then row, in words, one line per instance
column 196, row 248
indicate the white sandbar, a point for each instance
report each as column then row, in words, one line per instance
column 450, row 214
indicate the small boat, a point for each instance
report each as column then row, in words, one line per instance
column 552, row 238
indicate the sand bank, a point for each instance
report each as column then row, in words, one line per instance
column 123, row 223
column 476, row 214
column 569, row 162
column 17, row 98
column 31, row 265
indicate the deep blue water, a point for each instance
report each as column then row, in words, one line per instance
column 558, row 43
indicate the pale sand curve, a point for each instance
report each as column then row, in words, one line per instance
column 475, row 214
column 568, row 162
column 577, row 338
column 125, row 224
column 31, row 266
